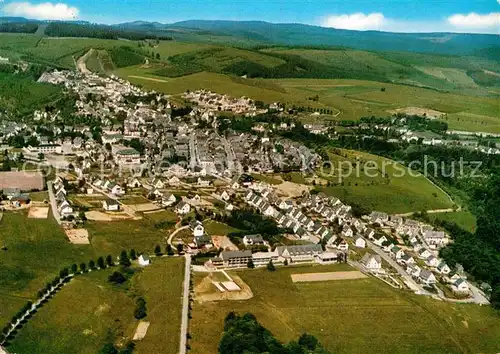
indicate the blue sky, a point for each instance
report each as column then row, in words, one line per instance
column 389, row 15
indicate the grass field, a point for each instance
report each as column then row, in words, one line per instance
column 266, row 178
column 464, row 219
column 161, row 285
column 380, row 188
column 352, row 316
column 79, row 318
column 218, row 229
column 113, row 237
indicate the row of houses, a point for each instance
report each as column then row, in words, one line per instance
column 63, row 206
column 281, row 254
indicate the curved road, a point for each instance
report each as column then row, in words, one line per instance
column 169, row 241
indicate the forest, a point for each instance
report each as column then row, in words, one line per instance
column 18, row 27
column 62, row 29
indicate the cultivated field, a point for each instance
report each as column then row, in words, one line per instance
column 391, row 320
column 311, row 277
column 25, row 181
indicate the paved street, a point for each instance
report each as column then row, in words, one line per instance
column 53, row 203
column 185, row 305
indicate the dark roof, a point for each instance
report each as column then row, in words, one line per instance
column 112, row 202
column 235, row 254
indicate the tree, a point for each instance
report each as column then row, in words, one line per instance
column 133, row 255
column 180, row 248
column 109, row 261
column 83, row 267
column 270, row 266
column 140, row 309
column 250, row 264
column 169, row 250
column 41, row 156
column 91, row 264
column 100, row 263
column 495, row 297
column 74, row 268
column 158, row 250
column 124, row 260
column 117, row 278
column 308, row 341
column 157, row 56
column 285, row 263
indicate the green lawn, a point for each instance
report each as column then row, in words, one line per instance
column 161, row 284
column 79, row 319
column 115, row 236
column 218, row 229
column 37, row 250
column 266, row 178
column 464, row 219
column 89, row 312
column 39, row 196
column 379, row 185
column 353, row 316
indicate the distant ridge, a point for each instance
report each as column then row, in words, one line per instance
column 260, row 33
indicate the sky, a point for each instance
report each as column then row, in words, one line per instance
column 471, row 16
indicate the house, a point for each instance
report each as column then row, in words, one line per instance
column 360, row 242
column 182, row 208
column 435, row 238
column 168, row 200
column 250, row 240
column 406, row 259
column 370, row 234
column 117, row 190
column 427, row 277
column 134, row 183
column 341, row 244
column 413, row 269
column 111, row 205
column 327, row 257
column 158, row 183
column 453, row 278
column 460, row 286
column 174, row 181
column 424, row 254
column 347, row 231
column 235, row 258
column 197, row 228
column 298, row 253
column 432, row 261
column 443, row 268
column 64, row 208
column 225, row 196
column 378, row 218
column 285, row 205
column 380, row 241
column 372, row 262
column 203, row 241
column 396, row 252
column 144, row 260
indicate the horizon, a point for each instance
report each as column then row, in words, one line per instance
column 405, row 16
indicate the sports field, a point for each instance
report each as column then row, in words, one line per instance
column 391, row 321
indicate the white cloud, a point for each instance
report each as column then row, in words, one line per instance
column 356, row 21
column 474, row 20
column 43, row 11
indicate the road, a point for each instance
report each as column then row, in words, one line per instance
column 53, row 203
column 81, row 63
column 170, row 238
column 407, row 278
column 185, row 305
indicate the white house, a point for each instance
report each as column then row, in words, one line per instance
column 372, row 262
column 379, row 242
column 182, row 208
column 427, row 277
column 250, row 240
column 360, row 242
column 158, row 183
column 134, row 183
column 396, row 252
column 432, row 261
column 225, row 196
column 64, row 208
column 111, row 205
column 174, row 181
column 197, row 228
column 169, row 200
column 443, row 268
column 144, row 260
column 460, row 286
column 286, row 205
column 347, row 231
column 117, row 190
column 424, row 253
column 435, row 238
